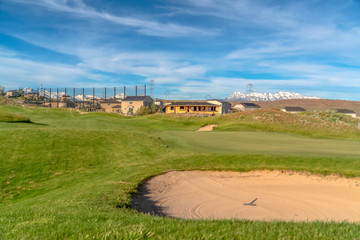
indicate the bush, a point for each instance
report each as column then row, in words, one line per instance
column 143, row 110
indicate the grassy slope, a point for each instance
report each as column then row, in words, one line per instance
column 11, row 117
column 72, row 175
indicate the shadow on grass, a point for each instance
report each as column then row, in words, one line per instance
column 28, row 122
column 144, row 204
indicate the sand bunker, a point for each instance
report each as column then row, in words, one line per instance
column 206, row 128
column 280, row 196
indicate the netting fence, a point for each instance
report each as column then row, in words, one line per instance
column 89, row 98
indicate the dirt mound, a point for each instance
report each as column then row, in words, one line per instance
column 286, row 196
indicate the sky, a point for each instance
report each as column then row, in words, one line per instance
column 191, row 49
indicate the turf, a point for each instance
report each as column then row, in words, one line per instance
column 11, row 117
column 67, row 175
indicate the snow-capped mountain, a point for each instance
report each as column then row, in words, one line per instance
column 29, row 90
column 239, row 96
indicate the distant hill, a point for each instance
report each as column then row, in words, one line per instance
column 239, row 96
column 310, row 104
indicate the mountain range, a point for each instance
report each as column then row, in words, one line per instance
column 255, row 96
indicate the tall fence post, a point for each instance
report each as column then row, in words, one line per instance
column 114, row 93
column 57, row 98
column 136, row 90
column 74, row 94
column 50, row 99
column 124, row 91
column 83, row 102
column 105, row 93
column 93, row 98
column 144, row 89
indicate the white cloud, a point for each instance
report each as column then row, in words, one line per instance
column 16, row 72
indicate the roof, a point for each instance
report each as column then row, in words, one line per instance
column 117, row 106
column 13, row 91
column 250, row 105
column 109, row 101
column 219, row 100
column 344, row 111
column 191, row 104
column 294, row 109
column 136, row 98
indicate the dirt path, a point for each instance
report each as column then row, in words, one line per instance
column 206, row 128
column 280, row 196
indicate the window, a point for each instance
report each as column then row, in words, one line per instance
column 130, row 103
column 182, row 107
column 108, row 104
column 171, row 108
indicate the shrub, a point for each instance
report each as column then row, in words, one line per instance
column 143, row 111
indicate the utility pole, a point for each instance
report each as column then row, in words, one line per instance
column 152, row 88
column 250, row 88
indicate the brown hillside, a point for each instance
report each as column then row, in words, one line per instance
column 311, row 104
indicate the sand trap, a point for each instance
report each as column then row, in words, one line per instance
column 280, row 196
column 206, row 128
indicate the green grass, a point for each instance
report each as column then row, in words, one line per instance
column 11, row 117
column 71, row 176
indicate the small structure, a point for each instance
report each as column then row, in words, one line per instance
column 31, row 95
column 111, row 106
column 347, row 112
column 60, row 104
column 246, row 106
column 203, row 108
column 131, row 104
column 224, row 106
column 65, row 97
column 116, row 109
column 158, row 102
column 293, row 109
column 12, row 93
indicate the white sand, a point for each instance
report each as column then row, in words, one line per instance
column 221, row 195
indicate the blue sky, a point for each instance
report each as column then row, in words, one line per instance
column 191, row 48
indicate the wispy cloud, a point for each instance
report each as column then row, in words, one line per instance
column 142, row 25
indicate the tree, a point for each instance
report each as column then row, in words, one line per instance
column 153, row 108
column 21, row 92
column 143, row 110
column 2, row 90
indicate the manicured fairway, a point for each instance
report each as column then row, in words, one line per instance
column 71, row 176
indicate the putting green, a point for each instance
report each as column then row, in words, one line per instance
column 261, row 143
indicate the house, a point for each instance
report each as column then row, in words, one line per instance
column 293, row 109
column 131, row 104
column 347, row 112
column 12, row 93
column 31, row 95
column 203, row 108
column 158, row 102
column 246, row 106
column 111, row 106
column 224, row 106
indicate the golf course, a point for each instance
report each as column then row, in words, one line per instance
column 69, row 175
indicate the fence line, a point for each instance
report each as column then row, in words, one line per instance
column 81, row 97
